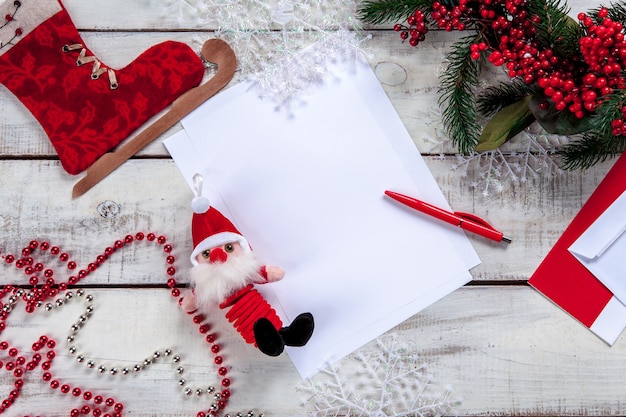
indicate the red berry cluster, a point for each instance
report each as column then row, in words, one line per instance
column 450, row 19
column 578, row 84
column 604, row 50
column 516, row 46
column 416, row 30
column 575, row 84
column 477, row 48
column 618, row 126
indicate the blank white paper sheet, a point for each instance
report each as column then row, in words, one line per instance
column 306, row 190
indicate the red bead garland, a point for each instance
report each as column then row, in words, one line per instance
column 20, row 367
column 40, row 292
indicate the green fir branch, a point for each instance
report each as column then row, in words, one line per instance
column 589, row 150
column 610, row 110
column 385, row 11
column 598, row 143
column 457, row 95
column 495, row 98
column 555, row 29
column 617, row 12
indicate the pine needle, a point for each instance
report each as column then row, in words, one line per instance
column 457, row 96
column 589, row 150
column 617, row 12
column 555, row 28
column 598, row 143
column 495, row 98
column 385, row 11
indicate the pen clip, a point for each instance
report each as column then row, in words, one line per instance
column 474, row 218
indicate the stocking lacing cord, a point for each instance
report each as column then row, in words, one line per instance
column 97, row 69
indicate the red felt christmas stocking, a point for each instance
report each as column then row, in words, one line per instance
column 85, row 107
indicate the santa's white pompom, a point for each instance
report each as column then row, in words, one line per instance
column 200, row 204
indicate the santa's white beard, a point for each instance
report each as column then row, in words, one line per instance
column 214, row 282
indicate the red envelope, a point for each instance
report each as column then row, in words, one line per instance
column 566, row 282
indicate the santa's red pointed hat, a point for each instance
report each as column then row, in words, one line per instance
column 209, row 227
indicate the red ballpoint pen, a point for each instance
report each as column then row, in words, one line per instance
column 465, row 221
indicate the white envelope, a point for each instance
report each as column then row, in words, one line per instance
column 602, row 248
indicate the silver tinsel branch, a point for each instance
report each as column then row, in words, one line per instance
column 286, row 82
column 533, row 159
column 387, row 381
column 284, row 46
column 529, row 155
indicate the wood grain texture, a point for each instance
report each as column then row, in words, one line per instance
column 503, row 350
column 150, row 195
column 131, row 15
column 413, row 93
column 497, row 343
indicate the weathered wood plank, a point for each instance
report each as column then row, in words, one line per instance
column 150, row 195
column 550, row 359
column 413, row 92
column 164, row 15
column 408, row 75
column 502, row 350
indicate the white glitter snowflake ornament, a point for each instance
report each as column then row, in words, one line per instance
column 273, row 39
column 531, row 154
column 387, row 381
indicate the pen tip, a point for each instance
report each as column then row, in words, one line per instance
column 506, row 239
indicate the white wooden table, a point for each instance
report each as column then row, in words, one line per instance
column 496, row 343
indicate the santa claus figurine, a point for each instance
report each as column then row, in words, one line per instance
column 225, row 272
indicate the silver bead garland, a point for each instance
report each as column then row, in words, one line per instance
column 36, row 299
column 124, row 370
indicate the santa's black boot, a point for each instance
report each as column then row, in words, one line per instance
column 299, row 331
column 267, row 338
